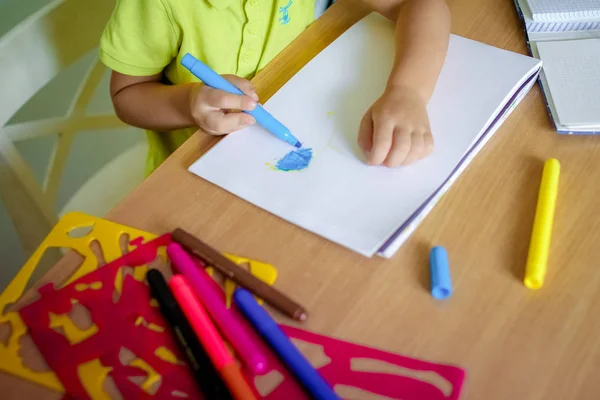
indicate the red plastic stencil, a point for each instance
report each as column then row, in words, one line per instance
column 120, row 319
column 355, row 371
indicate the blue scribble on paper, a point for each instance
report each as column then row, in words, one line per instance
column 284, row 14
column 295, row 160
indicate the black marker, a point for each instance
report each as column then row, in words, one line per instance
column 207, row 376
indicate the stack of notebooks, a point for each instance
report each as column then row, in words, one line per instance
column 565, row 35
column 371, row 210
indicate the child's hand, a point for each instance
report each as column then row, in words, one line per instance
column 217, row 112
column 395, row 130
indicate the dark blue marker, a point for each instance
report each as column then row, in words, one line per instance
column 291, row 357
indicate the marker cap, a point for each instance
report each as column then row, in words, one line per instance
column 441, row 283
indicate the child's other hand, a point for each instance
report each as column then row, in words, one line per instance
column 395, row 130
column 217, row 112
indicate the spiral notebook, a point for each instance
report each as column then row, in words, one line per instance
column 564, row 10
column 370, row 210
column 565, row 35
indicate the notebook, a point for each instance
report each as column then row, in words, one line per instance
column 570, row 51
column 572, row 71
column 370, row 210
column 562, row 10
column 558, row 24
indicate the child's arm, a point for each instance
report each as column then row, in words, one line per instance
column 147, row 103
column 395, row 131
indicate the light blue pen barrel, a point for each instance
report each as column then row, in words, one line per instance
column 441, row 283
column 216, row 81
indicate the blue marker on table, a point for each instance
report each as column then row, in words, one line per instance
column 441, row 283
column 306, row 375
column 216, row 81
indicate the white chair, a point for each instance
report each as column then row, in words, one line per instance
column 31, row 55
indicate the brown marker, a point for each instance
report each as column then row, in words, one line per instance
column 239, row 275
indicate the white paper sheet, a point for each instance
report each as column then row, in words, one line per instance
column 338, row 196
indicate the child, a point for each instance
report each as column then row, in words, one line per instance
column 145, row 40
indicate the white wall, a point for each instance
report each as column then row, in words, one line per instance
column 90, row 153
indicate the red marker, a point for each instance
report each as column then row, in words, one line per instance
column 210, row 339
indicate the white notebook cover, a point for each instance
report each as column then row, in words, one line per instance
column 572, row 70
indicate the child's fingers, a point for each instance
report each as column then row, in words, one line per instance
column 365, row 133
column 227, row 101
column 400, row 148
column 220, row 123
column 417, row 148
column 243, row 84
column 429, row 144
column 383, row 136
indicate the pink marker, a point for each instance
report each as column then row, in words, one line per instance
column 210, row 339
column 211, row 298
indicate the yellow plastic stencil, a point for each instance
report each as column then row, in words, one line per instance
column 265, row 272
column 109, row 237
column 94, row 385
column 106, row 233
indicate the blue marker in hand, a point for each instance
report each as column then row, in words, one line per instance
column 306, row 374
column 216, row 81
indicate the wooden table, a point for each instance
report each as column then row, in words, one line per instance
column 515, row 343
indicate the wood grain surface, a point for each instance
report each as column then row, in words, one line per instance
column 514, row 343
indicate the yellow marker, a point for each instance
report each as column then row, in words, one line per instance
column 539, row 247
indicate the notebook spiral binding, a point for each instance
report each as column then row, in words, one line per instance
column 534, row 26
column 567, row 15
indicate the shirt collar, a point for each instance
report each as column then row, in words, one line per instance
column 220, row 5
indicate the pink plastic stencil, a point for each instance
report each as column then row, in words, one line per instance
column 378, row 372
column 130, row 322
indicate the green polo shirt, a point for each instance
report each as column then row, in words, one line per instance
column 145, row 37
